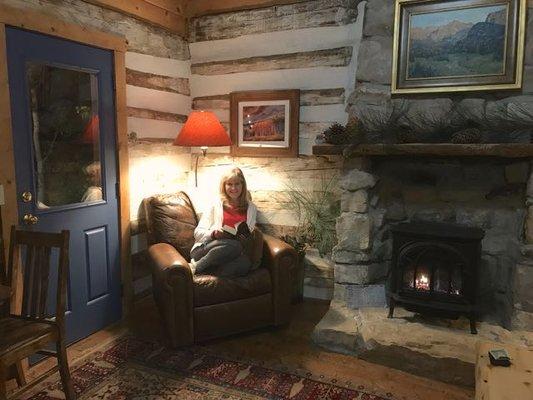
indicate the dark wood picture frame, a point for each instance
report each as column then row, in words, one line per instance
column 262, row 98
column 411, row 57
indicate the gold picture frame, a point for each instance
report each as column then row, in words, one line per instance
column 480, row 46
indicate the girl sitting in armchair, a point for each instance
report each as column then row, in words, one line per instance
column 216, row 251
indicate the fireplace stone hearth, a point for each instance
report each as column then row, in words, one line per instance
column 492, row 194
column 435, row 348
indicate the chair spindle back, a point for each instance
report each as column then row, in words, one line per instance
column 35, row 269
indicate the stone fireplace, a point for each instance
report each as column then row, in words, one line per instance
column 489, row 195
column 394, row 178
column 480, row 192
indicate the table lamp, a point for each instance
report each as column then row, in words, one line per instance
column 202, row 129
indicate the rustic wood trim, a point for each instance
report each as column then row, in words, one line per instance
column 123, row 179
column 172, row 6
column 506, row 150
column 39, row 22
column 158, row 82
column 216, row 102
column 152, row 141
column 338, row 57
column 146, row 12
column 312, row 97
column 319, row 97
column 7, row 158
column 196, row 8
column 157, row 115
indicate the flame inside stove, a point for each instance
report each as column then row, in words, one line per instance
column 422, row 282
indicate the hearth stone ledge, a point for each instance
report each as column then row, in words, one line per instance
column 434, row 348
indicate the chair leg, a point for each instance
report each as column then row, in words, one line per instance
column 62, row 361
column 3, row 382
column 19, row 374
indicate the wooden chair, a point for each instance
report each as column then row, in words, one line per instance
column 31, row 331
column 5, row 295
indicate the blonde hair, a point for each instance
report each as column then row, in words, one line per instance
column 244, row 197
column 93, row 172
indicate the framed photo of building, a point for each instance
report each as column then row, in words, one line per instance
column 265, row 123
column 458, row 45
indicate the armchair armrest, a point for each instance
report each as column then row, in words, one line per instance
column 279, row 257
column 173, row 292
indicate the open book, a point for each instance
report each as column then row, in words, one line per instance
column 241, row 229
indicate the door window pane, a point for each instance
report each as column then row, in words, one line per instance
column 65, row 135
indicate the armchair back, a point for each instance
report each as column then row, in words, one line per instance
column 171, row 218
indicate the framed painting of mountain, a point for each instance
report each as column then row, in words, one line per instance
column 265, row 123
column 458, row 45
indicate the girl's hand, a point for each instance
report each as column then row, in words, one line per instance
column 219, row 234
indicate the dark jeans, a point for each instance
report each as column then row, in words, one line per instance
column 221, row 257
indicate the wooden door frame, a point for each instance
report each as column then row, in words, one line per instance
column 42, row 23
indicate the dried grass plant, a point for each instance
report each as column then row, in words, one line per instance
column 317, row 210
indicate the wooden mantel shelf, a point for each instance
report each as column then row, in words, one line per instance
column 508, row 150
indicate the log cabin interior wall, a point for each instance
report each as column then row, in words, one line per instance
column 191, row 54
column 311, row 46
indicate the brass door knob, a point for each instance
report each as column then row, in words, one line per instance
column 26, row 197
column 30, row 219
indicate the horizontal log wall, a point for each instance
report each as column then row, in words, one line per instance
column 166, row 14
column 142, row 37
column 311, row 46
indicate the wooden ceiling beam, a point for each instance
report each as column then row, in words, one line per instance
column 173, row 6
column 196, row 8
column 155, row 12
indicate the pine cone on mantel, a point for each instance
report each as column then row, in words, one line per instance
column 336, row 134
column 467, row 136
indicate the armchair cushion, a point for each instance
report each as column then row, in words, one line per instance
column 210, row 290
column 171, row 218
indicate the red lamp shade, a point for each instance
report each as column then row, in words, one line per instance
column 90, row 133
column 202, row 128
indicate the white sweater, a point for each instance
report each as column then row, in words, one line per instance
column 212, row 220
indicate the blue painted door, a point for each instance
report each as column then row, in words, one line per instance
column 63, row 113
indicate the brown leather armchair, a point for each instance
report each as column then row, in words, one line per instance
column 202, row 307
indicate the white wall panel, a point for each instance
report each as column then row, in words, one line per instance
column 280, row 217
column 282, row 42
column 305, row 146
column 151, row 128
column 158, row 65
column 304, row 78
column 157, row 100
column 325, row 113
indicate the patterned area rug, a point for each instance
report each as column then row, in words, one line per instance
column 135, row 369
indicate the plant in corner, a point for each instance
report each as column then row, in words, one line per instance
column 317, row 210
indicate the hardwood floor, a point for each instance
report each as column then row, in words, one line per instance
column 290, row 347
